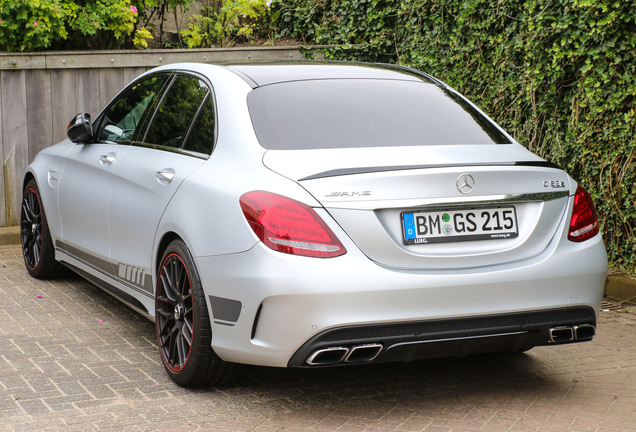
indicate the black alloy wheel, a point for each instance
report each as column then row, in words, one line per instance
column 37, row 246
column 183, row 325
column 31, row 228
column 174, row 313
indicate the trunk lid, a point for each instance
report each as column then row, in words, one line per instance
column 368, row 191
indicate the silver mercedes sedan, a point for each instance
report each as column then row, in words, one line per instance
column 309, row 215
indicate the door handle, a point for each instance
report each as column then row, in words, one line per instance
column 107, row 159
column 165, row 176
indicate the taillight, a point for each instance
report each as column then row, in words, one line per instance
column 584, row 224
column 289, row 226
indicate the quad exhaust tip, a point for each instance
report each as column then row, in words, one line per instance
column 328, row 356
column 561, row 334
column 331, row 356
column 584, row 332
column 579, row 333
column 363, row 353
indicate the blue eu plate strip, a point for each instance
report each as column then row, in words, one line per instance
column 409, row 226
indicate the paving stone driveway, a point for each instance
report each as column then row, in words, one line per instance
column 73, row 358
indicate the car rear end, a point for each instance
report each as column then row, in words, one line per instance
column 426, row 230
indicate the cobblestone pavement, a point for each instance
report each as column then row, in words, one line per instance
column 74, row 359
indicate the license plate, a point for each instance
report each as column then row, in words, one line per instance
column 452, row 225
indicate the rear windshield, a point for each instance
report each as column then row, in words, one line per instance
column 350, row 113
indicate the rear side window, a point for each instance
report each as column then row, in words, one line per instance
column 201, row 136
column 350, row 113
column 177, row 111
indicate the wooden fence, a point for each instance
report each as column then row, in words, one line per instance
column 41, row 92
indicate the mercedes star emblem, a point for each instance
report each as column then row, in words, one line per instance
column 465, row 184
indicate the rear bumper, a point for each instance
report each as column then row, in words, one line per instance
column 446, row 338
column 283, row 305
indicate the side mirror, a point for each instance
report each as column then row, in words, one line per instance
column 80, row 129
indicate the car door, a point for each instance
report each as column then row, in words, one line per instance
column 179, row 140
column 86, row 180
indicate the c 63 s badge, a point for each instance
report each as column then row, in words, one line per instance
column 556, row 184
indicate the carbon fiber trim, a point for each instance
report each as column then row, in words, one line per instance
column 366, row 170
column 511, row 322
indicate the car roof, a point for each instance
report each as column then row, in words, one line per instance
column 261, row 74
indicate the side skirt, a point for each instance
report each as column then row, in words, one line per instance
column 143, row 306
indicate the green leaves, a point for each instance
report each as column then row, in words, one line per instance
column 362, row 29
column 32, row 25
column 227, row 22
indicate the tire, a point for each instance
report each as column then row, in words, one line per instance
column 183, row 327
column 37, row 247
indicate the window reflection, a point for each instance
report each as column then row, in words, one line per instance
column 201, row 137
column 126, row 118
column 176, row 112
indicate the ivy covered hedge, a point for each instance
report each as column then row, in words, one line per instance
column 560, row 75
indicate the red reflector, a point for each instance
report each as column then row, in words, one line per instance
column 288, row 226
column 584, row 224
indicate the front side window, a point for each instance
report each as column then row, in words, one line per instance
column 178, row 109
column 126, row 118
